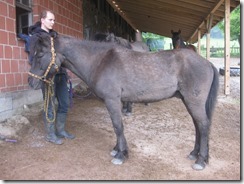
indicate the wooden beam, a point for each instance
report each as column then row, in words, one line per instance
column 227, row 48
column 212, row 12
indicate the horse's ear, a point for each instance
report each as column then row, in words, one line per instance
column 33, row 43
column 44, row 40
column 54, row 34
column 179, row 31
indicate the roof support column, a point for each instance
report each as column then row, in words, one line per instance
column 208, row 46
column 199, row 42
column 138, row 35
column 227, row 48
column 208, row 25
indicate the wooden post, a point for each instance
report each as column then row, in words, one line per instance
column 227, row 48
column 199, row 42
column 209, row 25
column 138, row 36
column 208, row 46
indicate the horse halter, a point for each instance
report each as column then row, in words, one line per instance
column 52, row 62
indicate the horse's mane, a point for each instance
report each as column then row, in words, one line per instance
column 110, row 37
column 93, row 45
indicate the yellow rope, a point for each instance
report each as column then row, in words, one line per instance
column 49, row 85
column 49, row 93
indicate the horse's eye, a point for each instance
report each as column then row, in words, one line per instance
column 40, row 54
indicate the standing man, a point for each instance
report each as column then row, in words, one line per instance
column 54, row 131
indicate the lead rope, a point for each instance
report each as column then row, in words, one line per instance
column 49, row 88
column 49, row 93
column 49, row 85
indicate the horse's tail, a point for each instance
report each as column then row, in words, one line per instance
column 213, row 93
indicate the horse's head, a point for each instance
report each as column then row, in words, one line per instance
column 176, row 39
column 45, row 62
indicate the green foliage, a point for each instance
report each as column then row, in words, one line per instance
column 234, row 24
column 154, row 41
column 147, row 35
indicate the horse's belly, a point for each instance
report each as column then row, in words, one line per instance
column 149, row 94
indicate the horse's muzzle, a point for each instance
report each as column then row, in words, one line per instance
column 34, row 83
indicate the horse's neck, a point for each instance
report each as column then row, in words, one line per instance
column 76, row 60
column 80, row 58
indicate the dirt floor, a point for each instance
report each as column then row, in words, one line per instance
column 159, row 136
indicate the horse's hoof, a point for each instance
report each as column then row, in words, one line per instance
column 117, row 161
column 192, row 157
column 128, row 113
column 198, row 167
column 113, row 153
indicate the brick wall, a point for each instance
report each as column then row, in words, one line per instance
column 13, row 59
column 14, row 67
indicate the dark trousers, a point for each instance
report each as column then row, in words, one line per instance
column 61, row 93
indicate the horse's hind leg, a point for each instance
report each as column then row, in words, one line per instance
column 202, row 125
column 127, row 108
column 124, row 108
column 120, row 151
column 194, row 154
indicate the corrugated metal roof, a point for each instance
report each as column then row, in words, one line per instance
column 162, row 16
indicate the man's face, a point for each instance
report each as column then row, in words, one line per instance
column 48, row 22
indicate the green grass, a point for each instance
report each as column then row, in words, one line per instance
column 216, row 43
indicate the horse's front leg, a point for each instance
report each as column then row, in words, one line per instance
column 120, row 151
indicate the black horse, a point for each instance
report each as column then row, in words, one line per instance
column 179, row 43
column 136, row 46
column 118, row 74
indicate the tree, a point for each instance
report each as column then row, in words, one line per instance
column 146, row 35
column 234, row 25
column 154, row 41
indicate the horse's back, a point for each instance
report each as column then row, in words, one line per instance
column 137, row 76
column 140, row 76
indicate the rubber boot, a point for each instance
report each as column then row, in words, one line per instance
column 51, row 136
column 60, row 125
